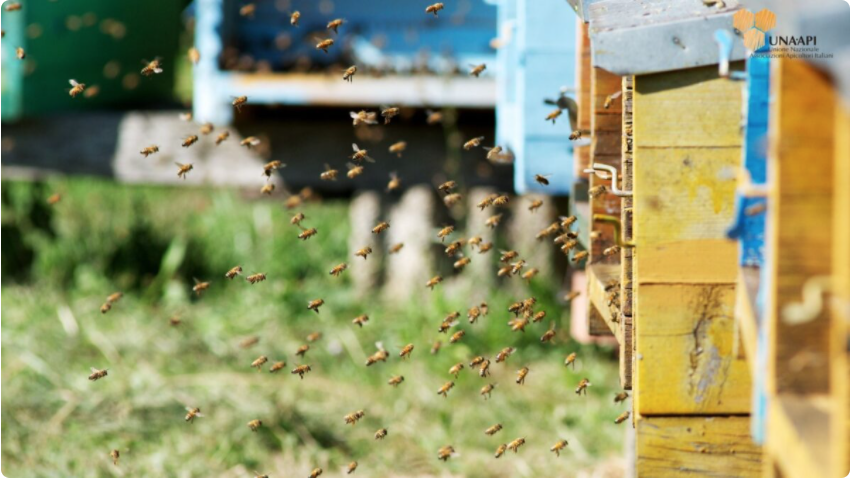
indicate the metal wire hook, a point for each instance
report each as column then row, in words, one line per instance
column 613, row 177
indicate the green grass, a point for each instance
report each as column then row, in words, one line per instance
column 60, row 262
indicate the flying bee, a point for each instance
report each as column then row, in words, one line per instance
column 473, row 314
column 114, row 455
column 114, row 297
column 292, row 202
column 186, row 116
column 529, row 274
column 475, row 70
column 494, row 153
column 76, row 88
column 406, row 351
column 388, row 113
column 486, row 202
column 200, row 287
column 189, row 140
column 271, row 167
column 334, row 24
column 517, row 266
column 149, row 150
column 381, row 227
column 576, row 135
column 256, row 278
column 493, row 221
column 504, row 271
column 621, row 418
column 501, row 200
column 297, row 219
column 313, row 337
column 435, row 8
column 504, row 354
column 452, row 199
column 349, row 73
column 486, row 391
column 461, row 263
column 445, row 327
column 522, row 375
column 597, row 191
column 473, row 143
column 230, row 274
column 571, row 296
column 238, row 102
column 457, row 336
column 329, row 174
column 433, row 117
column 394, row 381
column 325, row 44
column 354, row 170
column 579, row 256
column 516, row 307
column 620, row 397
column 444, row 453
column 364, row 252
column 174, row 320
column 397, row 147
column 483, row 307
column 277, row 366
column 363, row 116
column 250, row 142
column 485, row 247
column 447, row 186
column 20, row 53
column 582, row 386
column 476, row 361
column 301, row 370
column 529, row 303
column 452, row 316
column 222, row 137
column 436, row 347
column 539, row 316
column 13, row 6
column 337, row 270
column 548, row 335
column 206, row 129
column 294, row 18
column 570, row 359
column 307, row 233
column 515, row 444
column 475, row 241
column 247, row 10
column 254, row 425
column 351, row 468
column 259, row 361
column 500, row 451
column 453, row 248
column 493, row 429
column 97, row 374
column 183, row 169
column 456, row 369
column 360, row 320
column 194, row 55
column 267, row 189
column 249, row 342
column 445, row 388
column 381, row 433
column 552, row 116
column 505, row 256
column 393, row 183
column 610, row 98
column 434, row 281
column 152, row 67
column 381, row 355
column 315, row 473
column 535, row 205
column 543, row 179
column 558, row 446
column 566, row 222
column 54, row 199
column 302, row 350
column 484, row 368
column 192, row 413
column 315, row 304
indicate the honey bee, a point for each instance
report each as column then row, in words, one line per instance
column 566, row 222
column 114, row 455
column 174, row 320
column 406, row 351
column 433, row 117
column 189, row 140
column 292, row 202
column 315, row 473
column 186, row 116
column 580, row 256
column 76, row 88
column 315, row 304
column 363, row 116
column 453, row 248
column 457, row 336
column 381, row 433
column 505, row 256
column 354, row 170
column 456, row 369
column 294, row 18
column 313, row 336
column 277, row 366
column 254, row 425
column 307, row 233
column 397, row 148
column 349, row 73
column 337, row 270
column 483, row 307
column 360, row 320
column 493, row 429
column 461, row 263
column 230, row 274
column 394, row 381
column 447, row 186
column 494, row 153
column 222, row 137
column 571, row 296
column 393, row 183
column 114, row 297
column 473, row 143
column 475, row 241
column 302, row 350
column 582, row 386
column 352, row 418
column 13, row 6
column 238, row 102
column 249, row 341
column 620, row 397
column 515, row 444
column 621, row 418
column 570, row 359
column 517, row 266
column 484, row 368
column 477, row 360
column 501, row 200
column 529, row 274
column 542, row 179
column 194, row 55
column 250, row 142
column 207, row 128
column 516, row 307
column 436, row 347
column 485, row 247
column 200, row 287
column 259, row 361
column 446, row 388
column 552, row 116
column 504, row 354
column 445, row 326
column 435, row 8
column 183, row 169
column 364, row 252
column 522, row 375
column 535, row 205
column 486, row 202
column 271, row 167
column 192, row 414
column 247, row 10
column 548, row 335
column 334, row 24
column 329, row 174
column 351, row 468
column 267, row 189
column 152, row 67
column 256, row 278
column 97, row 374
column 452, row 316
column 575, row 135
column 597, row 191
column 388, row 113
column 452, row 199
column 325, row 44
column 444, row 453
column 504, row 271
column 381, row 227
column 473, row 314
column 381, row 355
column 301, row 370
column 558, row 446
column 54, row 199
column 500, row 451
column 539, row 316
column 486, row 391
column 475, row 70
column 611, row 97
column 149, row 150
column 493, row 221
column 434, row 281
column 20, row 53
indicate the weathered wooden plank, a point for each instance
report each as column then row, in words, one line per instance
column 684, row 351
column 745, row 312
column 625, row 353
column 696, row 447
column 600, row 276
column 582, row 154
column 798, row 437
column 598, row 326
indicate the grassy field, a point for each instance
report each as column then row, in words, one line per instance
column 60, row 262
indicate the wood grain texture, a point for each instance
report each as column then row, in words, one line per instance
column 582, row 155
column 696, row 447
column 798, row 438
